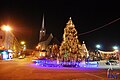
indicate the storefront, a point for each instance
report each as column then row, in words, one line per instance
column 4, row 55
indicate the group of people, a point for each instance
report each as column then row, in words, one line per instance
column 111, row 73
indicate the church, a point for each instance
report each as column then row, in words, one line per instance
column 46, row 41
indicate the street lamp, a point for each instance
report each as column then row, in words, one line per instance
column 98, row 46
column 23, row 45
column 115, row 47
column 22, row 42
column 116, row 50
column 6, row 28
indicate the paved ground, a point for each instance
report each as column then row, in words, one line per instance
column 23, row 69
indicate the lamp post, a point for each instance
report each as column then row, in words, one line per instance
column 116, row 50
column 7, row 30
column 98, row 46
column 23, row 49
column 23, row 45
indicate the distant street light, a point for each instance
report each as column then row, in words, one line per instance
column 115, row 47
column 23, row 45
column 116, row 50
column 98, row 46
column 22, row 42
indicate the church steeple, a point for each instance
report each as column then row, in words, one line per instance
column 43, row 30
column 43, row 22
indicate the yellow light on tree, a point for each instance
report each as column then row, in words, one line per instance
column 70, row 44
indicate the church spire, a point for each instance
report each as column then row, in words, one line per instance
column 43, row 30
column 43, row 22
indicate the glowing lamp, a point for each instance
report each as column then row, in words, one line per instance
column 6, row 28
column 22, row 42
column 98, row 46
column 115, row 47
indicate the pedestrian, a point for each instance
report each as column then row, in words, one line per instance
column 110, row 71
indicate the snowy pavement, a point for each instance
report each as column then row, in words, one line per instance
column 24, row 69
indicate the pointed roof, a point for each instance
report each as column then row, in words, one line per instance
column 43, row 27
column 54, row 41
column 44, row 38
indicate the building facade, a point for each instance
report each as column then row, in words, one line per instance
column 9, row 43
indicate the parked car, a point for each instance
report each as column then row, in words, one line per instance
column 21, row 57
column 112, row 62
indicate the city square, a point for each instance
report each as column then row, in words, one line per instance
column 24, row 69
column 59, row 40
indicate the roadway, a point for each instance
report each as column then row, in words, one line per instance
column 23, row 69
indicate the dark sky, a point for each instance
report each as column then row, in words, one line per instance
column 25, row 17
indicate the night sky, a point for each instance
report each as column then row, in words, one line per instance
column 25, row 17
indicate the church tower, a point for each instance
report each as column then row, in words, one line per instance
column 42, row 30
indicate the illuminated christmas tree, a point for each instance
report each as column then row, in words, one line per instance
column 70, row 49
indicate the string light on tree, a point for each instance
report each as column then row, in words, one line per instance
column 70, row 48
